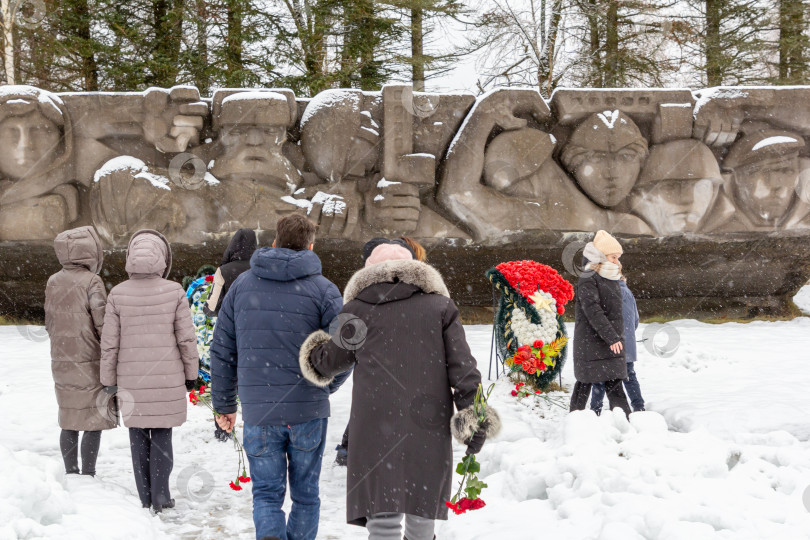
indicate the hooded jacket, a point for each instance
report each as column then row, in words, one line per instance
column 74, row 314
column 412, row 365
column 631, row 320
column 149, row 347
column 235, row 260
column 266, row 316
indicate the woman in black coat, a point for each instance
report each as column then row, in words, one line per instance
column 235, row 260
column 403, row 335
column 599, row 331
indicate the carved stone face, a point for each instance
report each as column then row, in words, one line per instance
column 252, row 151
column 605, row 154
column 674, row 206
column 765, row 190
column 608, row 177
column 30, row 144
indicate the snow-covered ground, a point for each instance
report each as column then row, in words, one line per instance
column 724, row 452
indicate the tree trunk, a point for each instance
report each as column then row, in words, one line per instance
column 8, row 40
column 89, row 67
column 792, row 42
column 200, row 61
column 597, row 76
column 612, row 44
column 233, row 44
column 545, row 75
column 417, row 48
column 168, row 24
column 714, row 54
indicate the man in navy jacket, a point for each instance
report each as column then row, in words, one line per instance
column 265, row 317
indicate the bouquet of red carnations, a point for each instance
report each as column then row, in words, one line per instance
column 470, row 485
column 203, row 396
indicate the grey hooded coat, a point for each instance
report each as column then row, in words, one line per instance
column 74, row 313
column 149, row 347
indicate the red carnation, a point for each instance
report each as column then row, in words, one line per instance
column 518, row 385
column 244, row 479
column 465, row 505
column 538, row 344
column 514, row 393
column 236, row 487
column 209, row 278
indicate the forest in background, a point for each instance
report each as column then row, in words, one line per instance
column 313, row 45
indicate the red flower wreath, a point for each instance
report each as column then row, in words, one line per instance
column 527, row 277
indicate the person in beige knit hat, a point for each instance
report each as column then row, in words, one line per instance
column 599, row 355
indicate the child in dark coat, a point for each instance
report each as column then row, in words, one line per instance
column 630, row 314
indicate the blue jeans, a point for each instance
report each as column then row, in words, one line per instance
column 630, row 384
column 272, row 452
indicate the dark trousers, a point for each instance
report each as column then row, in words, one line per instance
column 69, row 444
column 631, row 385
column 152, row 462
column 615, row 394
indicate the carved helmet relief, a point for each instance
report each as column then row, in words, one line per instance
column 677, row 188
column 605, row 154
column 339, row 137
column 765, row 168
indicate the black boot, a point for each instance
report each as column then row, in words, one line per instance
column 158, row 508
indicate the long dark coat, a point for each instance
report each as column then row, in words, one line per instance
column 75, row 299
column 599, row 324
column 412, row 365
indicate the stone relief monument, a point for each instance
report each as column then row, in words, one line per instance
column 652, row 165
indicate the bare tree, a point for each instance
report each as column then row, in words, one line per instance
column 518, row 42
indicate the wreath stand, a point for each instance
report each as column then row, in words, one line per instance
column 494, row 352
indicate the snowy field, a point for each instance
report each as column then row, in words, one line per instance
column 723, row 452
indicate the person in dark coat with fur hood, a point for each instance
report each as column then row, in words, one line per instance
column 599, row 354
column 403, row 335
column 235, row 260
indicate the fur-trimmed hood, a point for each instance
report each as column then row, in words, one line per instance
column 415, row 273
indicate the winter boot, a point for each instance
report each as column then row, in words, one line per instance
column 158, row 508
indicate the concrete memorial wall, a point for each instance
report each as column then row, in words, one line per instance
column 710, row 189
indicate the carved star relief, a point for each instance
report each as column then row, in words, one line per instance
column 541, row 302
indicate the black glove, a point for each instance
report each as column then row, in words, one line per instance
column 190, row 385
column 111, row 390
column 477, row 441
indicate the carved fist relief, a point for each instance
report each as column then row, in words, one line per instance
column 173, row 118
column 335, row 208
column 508, row 107
column 717, row 125
column 393, row 207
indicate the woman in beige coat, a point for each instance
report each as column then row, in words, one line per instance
column 74, row 312
column 149, row 351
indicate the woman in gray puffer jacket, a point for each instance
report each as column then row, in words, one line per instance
column 74, row 313
column 149, row 351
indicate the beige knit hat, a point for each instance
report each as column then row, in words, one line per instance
column 605, row 243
